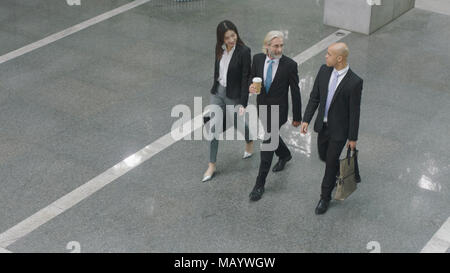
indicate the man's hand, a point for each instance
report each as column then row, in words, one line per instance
column 351, row 144
column 304, row 129
column 296, row 123
column 252, row 89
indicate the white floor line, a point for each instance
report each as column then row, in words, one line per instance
column 320, row 46
column 71, row 199
column 440, row 241
column 84, row 191
column 71, row 30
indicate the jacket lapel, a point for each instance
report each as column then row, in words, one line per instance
column 277, row 74
column 233, row 58
column 217, row 68
column 341, row 85
column 326, row 81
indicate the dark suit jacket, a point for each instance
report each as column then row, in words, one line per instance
column 237, row 75
column 285, row 77
column 343, row 115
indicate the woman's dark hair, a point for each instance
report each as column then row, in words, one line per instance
column 222, row 28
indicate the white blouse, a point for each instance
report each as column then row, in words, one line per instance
column 224, row 63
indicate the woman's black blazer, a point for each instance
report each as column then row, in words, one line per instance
column 237, row 76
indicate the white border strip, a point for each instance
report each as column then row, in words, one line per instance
column 69, row 31
column 440, row 241
column 4, row 250
column 71, row 199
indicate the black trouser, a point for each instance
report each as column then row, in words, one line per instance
column 282, row 151
column 329, row 152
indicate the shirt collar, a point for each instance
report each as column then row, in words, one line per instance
column 224, row 47
column 275, row 61
column 342, row 71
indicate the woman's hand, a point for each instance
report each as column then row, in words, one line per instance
column 241, row 110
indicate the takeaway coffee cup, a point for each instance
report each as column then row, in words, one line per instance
column 257, row 84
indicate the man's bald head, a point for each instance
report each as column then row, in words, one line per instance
column 341, row 49
column 337, row 54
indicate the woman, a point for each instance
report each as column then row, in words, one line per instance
column 230, row 87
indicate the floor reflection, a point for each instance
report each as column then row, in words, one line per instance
column 298, row 142
column 429, row 173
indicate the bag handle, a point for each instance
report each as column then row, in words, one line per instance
column 348, row 155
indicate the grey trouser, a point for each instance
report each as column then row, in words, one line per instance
column 221, row 99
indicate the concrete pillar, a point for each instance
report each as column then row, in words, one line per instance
column 363, row 16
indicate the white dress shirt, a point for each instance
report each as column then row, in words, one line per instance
column 274, row 67
column 341, row 74
column 224, row 63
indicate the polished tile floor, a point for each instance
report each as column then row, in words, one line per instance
column 74, row 108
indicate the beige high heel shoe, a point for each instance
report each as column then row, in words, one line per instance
column 248, row 154
column 209, row 175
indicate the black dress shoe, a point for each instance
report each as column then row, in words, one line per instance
column 280, row 164
column 322, row 206
column 256, row 193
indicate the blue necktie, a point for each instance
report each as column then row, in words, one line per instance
column 331, row 91
column 268, row 81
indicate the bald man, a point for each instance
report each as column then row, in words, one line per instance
column 337, row 95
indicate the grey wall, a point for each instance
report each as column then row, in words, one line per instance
column 359, row 16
